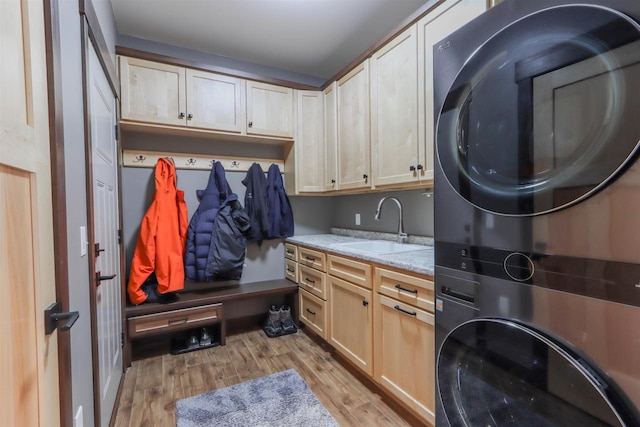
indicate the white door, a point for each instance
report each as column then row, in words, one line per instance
column 102, row 110
column 29, row 358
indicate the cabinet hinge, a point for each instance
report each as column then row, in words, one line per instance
column 119, row 236
column 122, row 339
column 117, row 133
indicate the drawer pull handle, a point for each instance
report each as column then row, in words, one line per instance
column 174, row 321
column 312, row 312
column 290, row 270
column 413, row 291
column 310, row 258
column 306, row 279
column 410, row 313
column 290, row 252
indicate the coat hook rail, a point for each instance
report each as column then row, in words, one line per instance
column 148, row 159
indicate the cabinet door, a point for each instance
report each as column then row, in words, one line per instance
column 269, row 110
column 350, row 324
column 354, row 129
column 215, row 102
column 309, row 145
column 330, row 138
column 405, row 354
column 152, row 92
column 394, row 111
column 435, row 26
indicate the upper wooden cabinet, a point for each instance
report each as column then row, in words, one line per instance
column 330, row 137
column 432, row 28
column 397, row 156
column 215, row 101
column 152, row 92
column 309, row 147
column 269, row 110
column 354, row 129
column 169, row 95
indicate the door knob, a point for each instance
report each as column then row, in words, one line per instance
column 53, row 315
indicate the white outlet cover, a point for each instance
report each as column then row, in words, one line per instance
column 357, row 219
column 78, row 420
column 83, row 241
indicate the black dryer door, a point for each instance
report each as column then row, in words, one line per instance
column 544, row 113
column 496, row 372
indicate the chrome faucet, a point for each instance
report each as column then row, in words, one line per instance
column 402, row 236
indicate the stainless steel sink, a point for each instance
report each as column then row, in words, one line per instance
column 379, row 247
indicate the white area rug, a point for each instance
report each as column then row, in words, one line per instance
column 281, row 399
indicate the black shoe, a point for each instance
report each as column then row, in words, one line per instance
column 205, row 338
column 288, row 327
column 273, row 326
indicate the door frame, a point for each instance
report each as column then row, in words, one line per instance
column 59, row 197
column 92, row 38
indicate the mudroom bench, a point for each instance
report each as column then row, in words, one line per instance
column 195, row 309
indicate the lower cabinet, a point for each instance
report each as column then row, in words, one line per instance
column 351, row 322
column 313, row 313
column 405, row 354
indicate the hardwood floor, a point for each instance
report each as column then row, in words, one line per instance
column 153, row 385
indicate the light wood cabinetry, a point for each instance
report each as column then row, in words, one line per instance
column 215, row 101
column 309, row 147
column 432, row 28
column 351, row 322
column 168, row 95
column 269, row 110
column 152, row 92
column 311, row 277
column 354, row 129
column 330, row 137
column 396, row 154
column 404, row 344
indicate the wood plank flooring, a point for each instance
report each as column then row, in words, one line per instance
column 153, row 385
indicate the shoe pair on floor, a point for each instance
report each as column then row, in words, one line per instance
column 279, row 321
column 197, row 341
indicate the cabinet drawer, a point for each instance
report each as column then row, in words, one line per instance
column 175, row 320
column 408, row 289
column 291, row 270
column 313, row 313
column 353, row 271
column 311, row 258
column 291, row 251
column 312, row 281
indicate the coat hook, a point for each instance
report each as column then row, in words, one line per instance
column 191, row 161
column 140, row 159
column 211, row 163
column 235, row 164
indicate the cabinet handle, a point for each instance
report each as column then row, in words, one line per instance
column 410, row 313
column 174, row 321
column 412, row 168
column 310, row 258
column 419, row 167
column 181, row 115
column 189, row 116
column 290, row 252
column 365, row 176
column 312, row 312
column 413, row 291
column 365, row 303
column 290, row 270
column 333, row 181
column 250, row 124
column 306, row 279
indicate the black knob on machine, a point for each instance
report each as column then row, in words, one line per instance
column 519, row 267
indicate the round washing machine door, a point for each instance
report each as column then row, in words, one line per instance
column 545, row 112
column 494, row 372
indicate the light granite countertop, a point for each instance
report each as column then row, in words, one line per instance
column 418, row 261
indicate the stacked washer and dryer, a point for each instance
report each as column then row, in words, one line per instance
column 537, row 216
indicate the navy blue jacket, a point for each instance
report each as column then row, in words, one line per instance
column 206, row 244
column 280, row 212
column 255, row 203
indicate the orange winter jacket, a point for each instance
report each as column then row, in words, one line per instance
column 161, row 241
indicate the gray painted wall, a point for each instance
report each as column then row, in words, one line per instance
column 217, row 60
column 417, row 209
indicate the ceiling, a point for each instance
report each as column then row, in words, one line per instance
column 312, row 37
